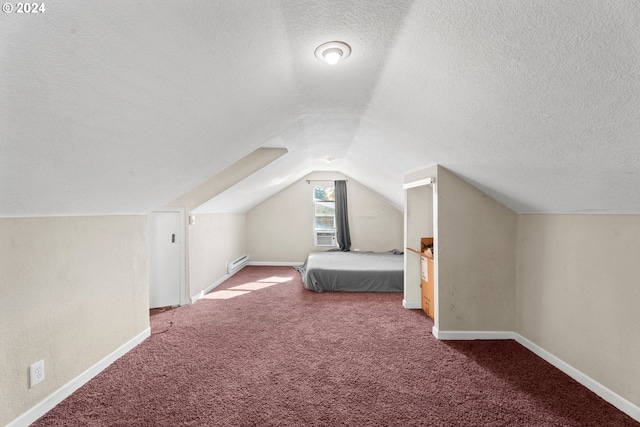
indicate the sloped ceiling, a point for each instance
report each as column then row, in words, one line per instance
column 113, row 107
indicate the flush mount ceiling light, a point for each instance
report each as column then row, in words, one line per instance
column 332, row 52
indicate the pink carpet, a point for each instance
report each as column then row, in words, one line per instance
column 262, row 351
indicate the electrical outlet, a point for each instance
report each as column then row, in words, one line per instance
column 36, row 373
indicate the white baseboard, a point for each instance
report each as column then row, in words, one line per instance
column 66, row 390
column 608, row 395
column 411, row 305
column 209, row 288
column 276, row 263
column 473, row 335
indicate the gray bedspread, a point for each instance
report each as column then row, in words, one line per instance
column 335, row 271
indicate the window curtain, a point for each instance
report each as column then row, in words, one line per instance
column 342, row 217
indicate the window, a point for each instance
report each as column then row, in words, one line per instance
column 324, row 215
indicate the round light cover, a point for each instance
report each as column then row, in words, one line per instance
column 332, row 52
column 332, row 55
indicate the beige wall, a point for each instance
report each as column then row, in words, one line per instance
column 214, row 240
column 72, row 291
column 475, row 252
column 280, row 228
column 578, row 294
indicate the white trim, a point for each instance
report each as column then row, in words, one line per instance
column 276, row 263
column 66, row 390
column 209, row 288
column 474, row 335
column 411, row 305
column 419, row 183
column 608, row 395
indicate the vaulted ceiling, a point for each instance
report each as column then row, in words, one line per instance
column 111, row 107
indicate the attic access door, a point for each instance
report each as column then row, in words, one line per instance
column 166, row 255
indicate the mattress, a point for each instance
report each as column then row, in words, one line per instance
column 335, row 271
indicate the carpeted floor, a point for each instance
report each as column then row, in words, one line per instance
column 262, row 351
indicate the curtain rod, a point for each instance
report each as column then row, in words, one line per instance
column 309, row 181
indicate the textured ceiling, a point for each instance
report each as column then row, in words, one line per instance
column 122, row 106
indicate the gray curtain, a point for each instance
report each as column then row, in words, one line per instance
column 342, row 217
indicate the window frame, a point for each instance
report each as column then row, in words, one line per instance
column 315, row 217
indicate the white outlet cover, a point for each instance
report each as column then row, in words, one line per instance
column 36, row 373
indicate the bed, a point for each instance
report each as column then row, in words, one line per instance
column 335, row 271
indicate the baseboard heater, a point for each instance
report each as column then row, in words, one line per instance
column 237, row 264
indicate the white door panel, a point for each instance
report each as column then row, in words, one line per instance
column 165, row 258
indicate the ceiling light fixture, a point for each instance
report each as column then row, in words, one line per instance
column 332, row 52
